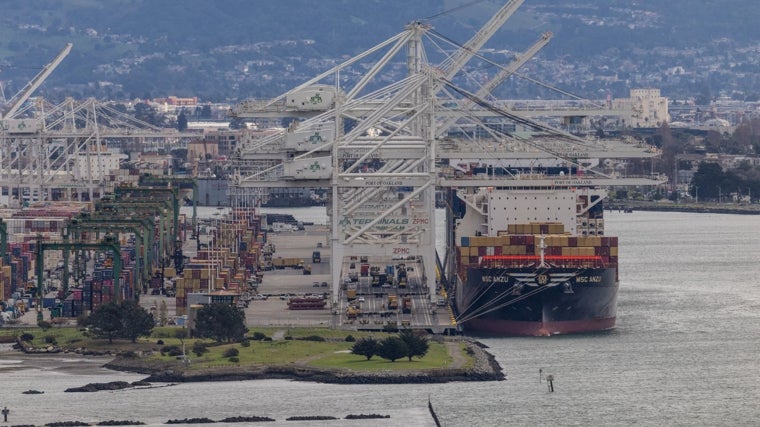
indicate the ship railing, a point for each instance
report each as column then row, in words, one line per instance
column 523, row 261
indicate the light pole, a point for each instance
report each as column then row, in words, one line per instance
column 212, row 255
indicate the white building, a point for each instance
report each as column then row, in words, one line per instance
column 94, row 166
column 647, row 109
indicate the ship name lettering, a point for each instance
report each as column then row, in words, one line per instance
column 495, row 279
column 588, row 279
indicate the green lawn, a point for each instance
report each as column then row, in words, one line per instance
column 64, row 337
column 334, row 353
column 327, row 354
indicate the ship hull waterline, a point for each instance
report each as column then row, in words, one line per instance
column 512, row 306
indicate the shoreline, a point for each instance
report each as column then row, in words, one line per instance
column 710, row 208
column 486, row 368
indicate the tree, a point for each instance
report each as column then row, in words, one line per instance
column 366, row 347
column 135, row 321
column 417, row 345
column 206, row 112
column 221, row 322
column 106, row 321
column 392, row 348
column 237, row 123
column 706, row 181
column 181, row 122
column 126, row 319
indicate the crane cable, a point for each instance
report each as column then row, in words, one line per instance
column 454, row 43
column 452, row 10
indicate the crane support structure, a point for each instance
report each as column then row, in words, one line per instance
column 147, row 180
column 127, row 195
column 109, row 243
column 158, row 209
column 142, row 229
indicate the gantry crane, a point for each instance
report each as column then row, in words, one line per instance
column 180, row 183
column 381, row 170
column 108, row 243
column 142, row 229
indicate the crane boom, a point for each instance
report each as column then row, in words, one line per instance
column 502, row 75
column 33, row 84
column 477, row 41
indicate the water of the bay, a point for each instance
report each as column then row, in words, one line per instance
column 686, row 351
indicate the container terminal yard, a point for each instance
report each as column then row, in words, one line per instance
column 292, row 287
column 279, row 278
column 83, row 226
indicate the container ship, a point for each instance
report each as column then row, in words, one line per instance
column 534, row 262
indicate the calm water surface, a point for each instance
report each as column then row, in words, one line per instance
column 686, row 351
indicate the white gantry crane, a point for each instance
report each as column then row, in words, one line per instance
column 377, row 148
column 58, row 151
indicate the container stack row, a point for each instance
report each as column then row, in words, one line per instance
column 512, row 250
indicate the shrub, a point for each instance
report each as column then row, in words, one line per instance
column 199, row 348
column 258, row 336
column 350, row 338
column 234, row 359
column 26, row 336
column 245, row 343
column 160, row 342
column 231, row 352
column 288, row 338
column 83, row 320
column 267, row 338
column 171, row 350
column 49, row 339
column 44, row 325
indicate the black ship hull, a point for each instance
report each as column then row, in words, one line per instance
column 538, row 302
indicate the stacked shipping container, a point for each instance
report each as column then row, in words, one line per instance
column 521, row 244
